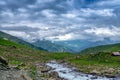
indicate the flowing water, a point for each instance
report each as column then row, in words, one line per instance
column 69, row 73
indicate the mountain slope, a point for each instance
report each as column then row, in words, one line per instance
column 31, row 60
column 79, row 45
column 103, row 48
column 14, row 39
column 51, row 47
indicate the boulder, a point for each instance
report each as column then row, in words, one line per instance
column 94, row 72
column 3, row 60
column 53, row 74
column 77, row 57
column 44, row 69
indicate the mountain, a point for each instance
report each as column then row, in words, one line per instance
column 102, row 48
column 75, row 45
column 50, row 46
column 38, row 44
column 17, row 40
column 79, row 45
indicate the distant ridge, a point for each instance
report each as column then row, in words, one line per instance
column 50, row 46
column 102, row 48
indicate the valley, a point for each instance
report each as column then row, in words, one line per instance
column 59, row 39
column 33, row 61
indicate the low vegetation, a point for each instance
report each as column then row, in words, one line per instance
column 103, row 48
column 23, row 57
column 101, row 63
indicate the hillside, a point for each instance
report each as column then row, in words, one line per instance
column 103, row 48
column 79, row 45
column 17, row 40
column 26, row 58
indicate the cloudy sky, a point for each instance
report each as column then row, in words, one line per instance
column 92, row 20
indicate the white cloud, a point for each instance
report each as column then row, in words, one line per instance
column 99, row 12
column 109, row 3
column 7, row 14
column 69, row 15
column 80, row 14
column 48, row 13
column 20, row 34
column 62, row 37
column 44, row 1
column 100, row 33
column 10, row 16
column 2, row 3
column 22, row 10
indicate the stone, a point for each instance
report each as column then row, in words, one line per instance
column 44, row 69
column 63, row 72
column 3, row 60
column 77, row 57
column 94, row 72
column 94, row 77
column 53, row 74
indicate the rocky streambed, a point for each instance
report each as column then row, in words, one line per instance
column 11, row 73
column 7, row 73
column 70, row 73
column 52, row 70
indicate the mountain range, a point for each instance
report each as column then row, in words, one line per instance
column 50, row 46
column 79, row 45
column 74, row 46
column 38, row 44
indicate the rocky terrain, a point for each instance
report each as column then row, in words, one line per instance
column 11, row 73
column 44, row 72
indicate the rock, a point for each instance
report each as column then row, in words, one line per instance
column 94, row 72
column 44, row 69
column 61, row 61
column 13, row 47
column 94, row 77
column 63, row 72
column 14, row 75
column 3, row 60
column 51, row 78
column 77, row 57
column 53, row 74
column 110, row 76
column 109, row 71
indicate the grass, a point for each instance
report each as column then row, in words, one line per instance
column 103, row 48
column 25, row 58
column 102, row 62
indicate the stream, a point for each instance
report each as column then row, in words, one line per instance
column 69, row 73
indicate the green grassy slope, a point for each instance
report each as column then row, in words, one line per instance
column 14, row 39
column 21, row 53
column 103, row 48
